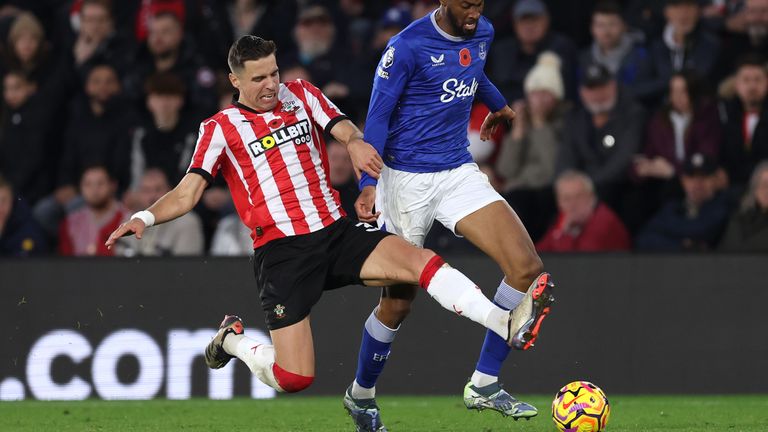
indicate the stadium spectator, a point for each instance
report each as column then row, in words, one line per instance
column 748, row 229
column 603, row 135
column 22, row 137
column 695, row 222
column 513, row 57
column 318, row 51
column 20, row 235
column 528, row 154
column 166, row 139
column 181, row 236
column 687, row 124
column 529, row 151
column 342, row 176
column 98, row 133
column 394, row 21
column 166, row 50
column 96, row 40
column 751, row 35
column 84, row 231
column 684, row 44
column 620, row 51
column 584, row 224
column 27, row 49
column 745, row 119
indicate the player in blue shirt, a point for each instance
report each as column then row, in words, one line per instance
column 419, row 111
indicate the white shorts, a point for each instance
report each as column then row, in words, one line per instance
column 410, row 202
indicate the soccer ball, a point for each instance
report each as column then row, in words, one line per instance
column 580, row 407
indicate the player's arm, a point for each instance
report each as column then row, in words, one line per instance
column 365, row 158
column 175, row 203
column 500, row 111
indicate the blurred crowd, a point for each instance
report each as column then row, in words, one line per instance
column 642, row 124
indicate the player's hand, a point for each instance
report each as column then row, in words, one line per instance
column 364, row 205
column 493, row 120
column 364, row 158
column 135, row 226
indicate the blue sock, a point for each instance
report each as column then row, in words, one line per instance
column 495, row 349
column 374, row 351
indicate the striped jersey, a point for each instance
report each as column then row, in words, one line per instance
column 275, row 163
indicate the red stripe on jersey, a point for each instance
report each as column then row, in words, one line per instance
column 283, row 179
column 203, row 144
column 313, row 180
column 259, row 215
column 320, row 140
column 324, row 105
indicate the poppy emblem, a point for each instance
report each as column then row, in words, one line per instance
column 275, row 123
column 464, row 57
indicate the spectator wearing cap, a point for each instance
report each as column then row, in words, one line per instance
column 695, row 222
column 684, row 44
column 526, row 162
column 687, row 124
column 168, row 50
column 584, row 224
column 748, row 229
column 513, row 57
column 603, row 135
column 166, row 138
column 620, row 51
column 745, row 120
column 20, row 235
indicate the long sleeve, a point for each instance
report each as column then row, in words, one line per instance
column 392, row 74
column 490, row 95
column 629, row 133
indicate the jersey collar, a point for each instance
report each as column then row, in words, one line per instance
column 443, row 33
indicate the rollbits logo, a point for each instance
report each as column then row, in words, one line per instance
column 172, row 366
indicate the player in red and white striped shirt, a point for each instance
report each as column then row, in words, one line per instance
column 269, row 147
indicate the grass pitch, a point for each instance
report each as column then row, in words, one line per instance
column 404, row 413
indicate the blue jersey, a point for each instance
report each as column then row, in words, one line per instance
column 422, row 96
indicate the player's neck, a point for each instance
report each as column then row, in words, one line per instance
column 441, row 18
column 243, row 104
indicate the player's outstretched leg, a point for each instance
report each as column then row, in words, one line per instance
column 230, row 342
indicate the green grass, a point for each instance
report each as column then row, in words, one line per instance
column 406, row 413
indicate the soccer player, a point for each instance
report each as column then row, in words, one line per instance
column 423, row 91
column 269, row 147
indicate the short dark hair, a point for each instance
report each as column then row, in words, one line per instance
column 608, row 7
column 752, row 59
column 106, row 4
column 165, row 83
column 249, row 48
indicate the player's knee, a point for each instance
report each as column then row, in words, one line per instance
column 289, row 381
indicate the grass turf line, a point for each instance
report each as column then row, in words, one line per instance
column 740, row 413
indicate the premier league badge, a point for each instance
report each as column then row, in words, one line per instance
column 482, row 53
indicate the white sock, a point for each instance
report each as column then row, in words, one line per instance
column 258, row 357
column 480, row 379
column 360, row 392
column 457, row 293
column 507, row 297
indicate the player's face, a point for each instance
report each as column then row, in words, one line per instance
column 258, row 82
column 464, row 16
